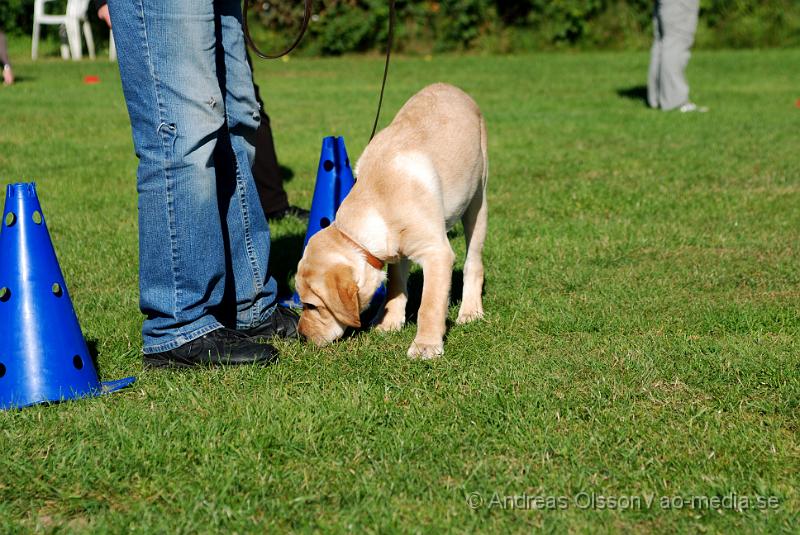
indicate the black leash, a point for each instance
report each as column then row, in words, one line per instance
column 254, row 47
column 304, row 27
column 386, row 66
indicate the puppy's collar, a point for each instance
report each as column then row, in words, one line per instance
column 371, row 259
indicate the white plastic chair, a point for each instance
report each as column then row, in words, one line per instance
column 73, row 19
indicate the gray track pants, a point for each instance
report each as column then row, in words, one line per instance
column 3, row 51
column 674, row 25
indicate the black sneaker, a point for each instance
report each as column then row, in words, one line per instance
column 283, row 323
column 218, row 348
column 293, row 211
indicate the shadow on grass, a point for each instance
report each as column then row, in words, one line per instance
column 19, row 80
column 285, row 253
column 286, row 173
column 91, row 344
column 415, row 282
column 636, row 92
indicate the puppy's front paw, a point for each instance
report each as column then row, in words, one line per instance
column 421, row 350
column 466, row 315
column 390, row 322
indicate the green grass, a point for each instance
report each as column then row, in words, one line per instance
column 641, row 336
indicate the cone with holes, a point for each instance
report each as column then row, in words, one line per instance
column 334, row 181
column 43, row 356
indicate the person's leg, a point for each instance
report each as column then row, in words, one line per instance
column 266, row 171
column 653, row 72
column 166, row 54
column 247, row 230
column 678, row 24
column 4, row 51
column 5, row 62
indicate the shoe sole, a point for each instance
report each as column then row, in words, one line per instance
column 176, row 364
column 154, row 364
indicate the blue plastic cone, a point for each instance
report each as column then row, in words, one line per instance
column 334, row 181
column 43, row 356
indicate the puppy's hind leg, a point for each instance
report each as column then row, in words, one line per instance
column 394, row 313
column 475, row 220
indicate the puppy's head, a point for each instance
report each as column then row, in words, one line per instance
column 335, row 286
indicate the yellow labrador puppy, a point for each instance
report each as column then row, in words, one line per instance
column 416, row 179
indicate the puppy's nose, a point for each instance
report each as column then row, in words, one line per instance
column 301, row 328
column 307, row 332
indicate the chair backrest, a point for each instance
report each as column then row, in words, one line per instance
column 38, row 7
column 77, row 8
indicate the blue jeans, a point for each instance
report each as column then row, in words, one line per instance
column 203, row 237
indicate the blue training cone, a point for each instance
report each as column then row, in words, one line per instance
column 43, row 356
column 334, row 181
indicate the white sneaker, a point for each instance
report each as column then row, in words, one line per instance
column 8, row 75
column 691, row 106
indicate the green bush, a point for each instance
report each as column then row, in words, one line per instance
column 16, row 16
column 515, row 25
column 342, row 26
column 748, row 24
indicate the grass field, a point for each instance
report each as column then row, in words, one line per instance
column 641, row 342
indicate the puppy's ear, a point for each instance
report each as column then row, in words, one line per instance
column 344, row 296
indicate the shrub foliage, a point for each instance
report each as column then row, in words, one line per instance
column 341, row 26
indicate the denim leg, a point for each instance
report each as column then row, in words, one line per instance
column 167, row 59
column 247, row 227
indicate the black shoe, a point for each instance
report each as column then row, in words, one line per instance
column 293, row 211
column 217, row 348
column 283, row 322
